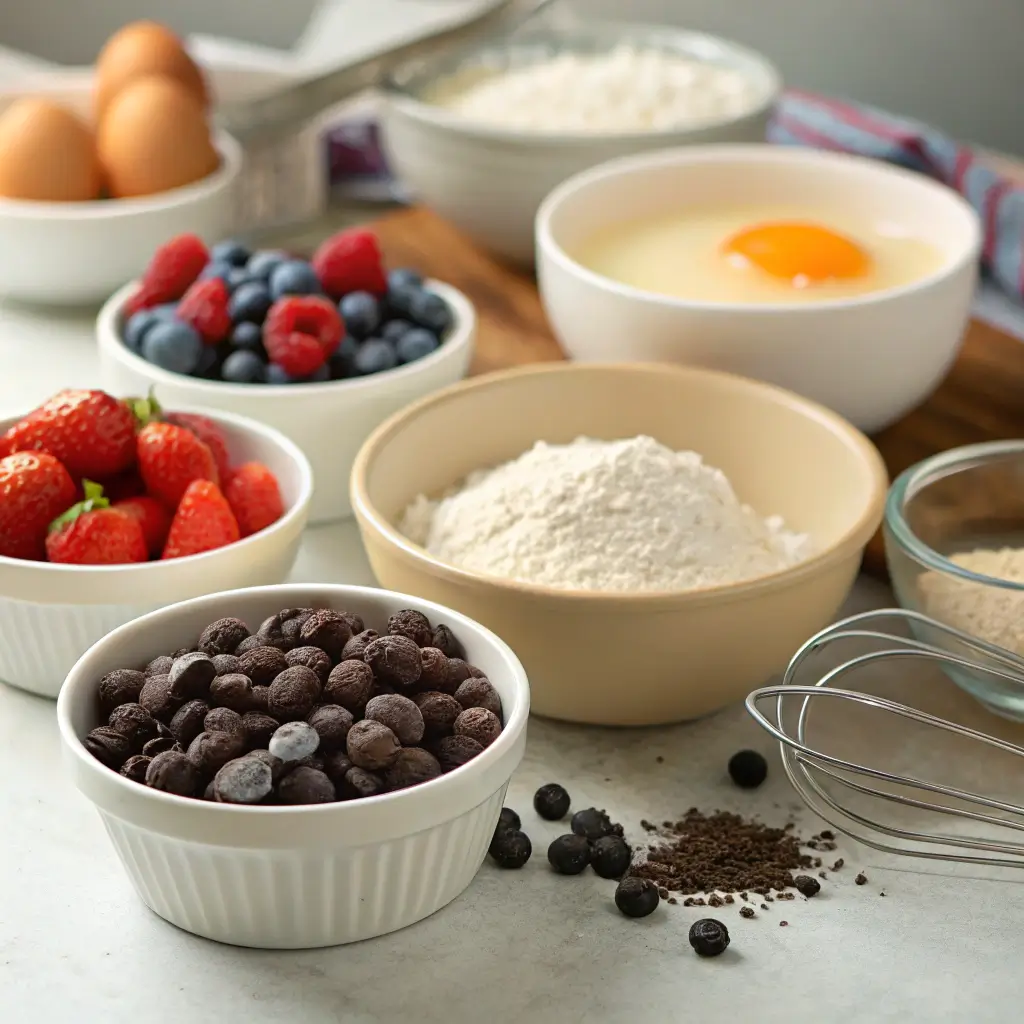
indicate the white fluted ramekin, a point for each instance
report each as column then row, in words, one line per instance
column 296, row 877
column 50, row 615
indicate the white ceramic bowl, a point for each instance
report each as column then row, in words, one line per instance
column 50, row 614
column 489, row 181
column 296, row 877
column 870, row 358
column 329, row 422
column 69, row 253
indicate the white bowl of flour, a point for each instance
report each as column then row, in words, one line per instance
column 652, row 541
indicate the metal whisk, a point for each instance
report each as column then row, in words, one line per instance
column 811, row 770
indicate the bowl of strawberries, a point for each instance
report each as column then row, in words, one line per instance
column 110, row 508
column 323, row 349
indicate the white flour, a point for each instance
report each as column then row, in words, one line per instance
column 988, row 612
column 626, row 90
column 603, row 515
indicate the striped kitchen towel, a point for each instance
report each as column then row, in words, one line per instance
column 806, row 119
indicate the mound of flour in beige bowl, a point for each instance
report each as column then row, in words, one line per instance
column 629, row 515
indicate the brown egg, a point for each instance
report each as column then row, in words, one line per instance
column 46, row 154
column 154, row 137
column 140, row 49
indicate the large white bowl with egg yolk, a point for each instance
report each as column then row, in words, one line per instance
column 857, row 296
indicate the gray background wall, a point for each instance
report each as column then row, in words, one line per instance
column 956, row 63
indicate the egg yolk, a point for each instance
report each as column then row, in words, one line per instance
column 799, row 254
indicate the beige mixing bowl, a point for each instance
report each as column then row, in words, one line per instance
column 633, row 658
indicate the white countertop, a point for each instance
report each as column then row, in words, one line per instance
column 76, row 943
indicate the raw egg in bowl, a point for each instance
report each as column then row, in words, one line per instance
column 841, row 278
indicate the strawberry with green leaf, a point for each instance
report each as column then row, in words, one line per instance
column 92, row 532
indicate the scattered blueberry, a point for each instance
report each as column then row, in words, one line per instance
column 247, row 335
column 399, row 301
column 374, row 356
column 708, row 936
column 293, row 277
column 216, row 269
column 430, row 311
column 569, row 854
column 510, row 849
column 293, row 741
column 173, row 346
column 611, row 856
column 341, row 363
column 748, row 769
column 166, row 311
column 319, row 375
column 551, row 802
column 506, row 820
column 415, row 344
column 591, row 823
column 231, row 252
column 276, row 374
column 403, row 277
column 261, row 264
column 236, row 276
column 250, row 301
column 638, row 897
column 394, row 329
column 361, row 314
column 137, row 326
column 243, row 366
column 209, row 362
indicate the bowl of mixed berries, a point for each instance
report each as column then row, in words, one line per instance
column 110, row 508
column 322, row 349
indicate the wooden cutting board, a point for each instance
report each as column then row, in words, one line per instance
column 982, row 398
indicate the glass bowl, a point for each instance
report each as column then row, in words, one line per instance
column 954, row 542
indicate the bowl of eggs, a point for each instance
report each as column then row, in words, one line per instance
column 515, row 117
column 97, row 171
column 840, row 278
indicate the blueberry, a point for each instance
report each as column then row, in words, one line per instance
column 216, row 269
column 510, row 849
column 172, row 346
column 638, row 897
column 236, row 276
column 416, row 344
column 293, row 741
column 247, row 335
column 278, row 375
column 208, row 364
column 430, row 311
column 137, row 327
column 403, row 277
column 341, row 363
column 374, row 356
column 551, row 802
column 709, row 937
column 394, row 329
column 591, row 824
column 398, row 301
column 243, row 367
column 360, row 312
column 250, row 301
column 748, row 769
column 230, row 252
column 569, row 854
column 319, row 375
column 261, row 264
column 610, row 856
column 293, row 277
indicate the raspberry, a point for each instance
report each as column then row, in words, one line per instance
column 172, row 269
column 311, row 315
column 297, row 354
column 205, row 308
column 350, row 261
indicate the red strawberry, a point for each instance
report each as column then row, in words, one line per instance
column 204, row 521
column 210, row 434
column 307, row 315
column 34, row 489
column 170, row 458
column 172, row 269
column 93, row 533
column 91, row 432
column 350, row 261
column 205, row 307
column 154, row 519
column 254, row 497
